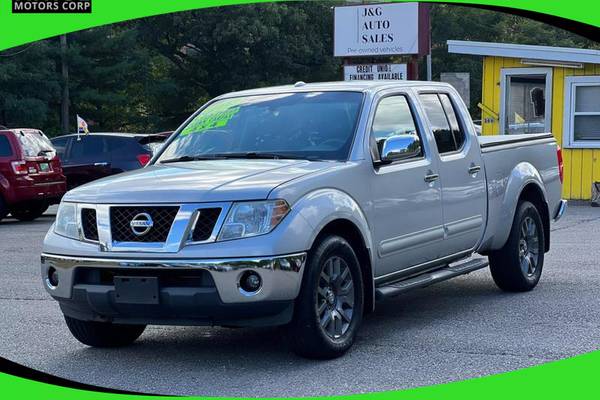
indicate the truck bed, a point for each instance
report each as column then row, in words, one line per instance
column 506, row 157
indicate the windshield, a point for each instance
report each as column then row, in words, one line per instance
column 312, row 125
column 36, row 144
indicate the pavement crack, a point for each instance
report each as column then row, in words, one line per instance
column 578, row 223
column 498, row 353
column 25, row 298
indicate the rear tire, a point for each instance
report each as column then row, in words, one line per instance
column 103, row 334
column 30, row 212
column 329, row 308
column 3, row 209
column 517, row 267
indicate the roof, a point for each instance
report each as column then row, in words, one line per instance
column 545, row 53
column 351, row 86
column 136, row 135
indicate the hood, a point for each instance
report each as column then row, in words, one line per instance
column 196, row 181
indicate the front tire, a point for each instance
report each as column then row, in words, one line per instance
column 517, row 267
column 329, row 308
column 103, row 334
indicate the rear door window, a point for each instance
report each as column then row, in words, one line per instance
column 442, row 132
column 89, row 149
column 123, row 148
column 5, row 147
column 457, row 131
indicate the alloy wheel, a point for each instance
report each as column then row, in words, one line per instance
column 335, row 297
column 529, row 247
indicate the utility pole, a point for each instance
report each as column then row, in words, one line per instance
column 64, row 104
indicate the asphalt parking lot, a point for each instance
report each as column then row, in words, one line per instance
column 456, row 330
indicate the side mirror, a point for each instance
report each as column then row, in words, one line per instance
column 400, row 147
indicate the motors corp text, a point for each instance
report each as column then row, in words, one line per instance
column 65, row 6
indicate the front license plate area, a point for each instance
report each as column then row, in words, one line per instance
column 136, row 290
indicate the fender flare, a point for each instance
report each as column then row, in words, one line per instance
column 321, row 207
column 522, row 175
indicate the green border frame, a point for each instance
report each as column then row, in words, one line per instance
column 576, row 377
column 41, row 26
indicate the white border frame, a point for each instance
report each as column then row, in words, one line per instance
column 571, row 84
column 505, row 73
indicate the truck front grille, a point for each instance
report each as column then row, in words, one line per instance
column 205, row 224
column 89, row 224
column 162, row 220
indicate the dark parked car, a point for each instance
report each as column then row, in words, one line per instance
column 31, row 177
column 89, row 157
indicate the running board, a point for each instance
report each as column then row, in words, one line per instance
column 429, row 278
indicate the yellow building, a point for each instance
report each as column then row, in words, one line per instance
column 530, row 89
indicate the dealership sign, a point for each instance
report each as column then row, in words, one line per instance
column 378, row 29
column 372, row 72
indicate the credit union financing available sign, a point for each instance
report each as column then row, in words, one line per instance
column 371, row 72
column 376, row 29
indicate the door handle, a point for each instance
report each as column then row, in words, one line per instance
column 474, row 169
column 431, row 178
column 100, row 164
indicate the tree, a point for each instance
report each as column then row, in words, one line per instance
column 205, row 53
column 30, row 86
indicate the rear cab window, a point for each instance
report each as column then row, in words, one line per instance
column 447, row 131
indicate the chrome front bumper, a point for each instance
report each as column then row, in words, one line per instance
column 281, row 275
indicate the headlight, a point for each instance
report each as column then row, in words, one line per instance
column 253, row 218
column 66, row 221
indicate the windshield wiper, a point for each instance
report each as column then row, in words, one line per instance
column 190, row 158
column 253, row 155
column 250, row 155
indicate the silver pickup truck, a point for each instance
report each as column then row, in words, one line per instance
column 302, row 205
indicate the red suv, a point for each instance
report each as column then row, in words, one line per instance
column 31, row 177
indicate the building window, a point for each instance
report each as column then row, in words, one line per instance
column 526, row 95
column 582, row 112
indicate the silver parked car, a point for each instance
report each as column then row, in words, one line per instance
column 302, row 205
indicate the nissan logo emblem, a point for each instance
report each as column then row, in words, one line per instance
column 141, row 224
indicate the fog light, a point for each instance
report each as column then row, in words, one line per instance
column 52, row 277
column 250, row 282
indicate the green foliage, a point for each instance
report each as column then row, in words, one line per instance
column 30, row 86
column 151, row 74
